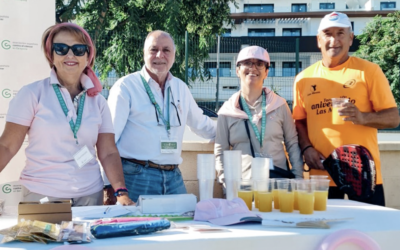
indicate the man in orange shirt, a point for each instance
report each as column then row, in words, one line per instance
column 371, row 103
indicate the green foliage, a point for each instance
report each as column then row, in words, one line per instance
column 119, row 28
column 67, row 10
column 380, row 43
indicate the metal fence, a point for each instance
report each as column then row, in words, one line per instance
column 209, row 87
column 212, row 80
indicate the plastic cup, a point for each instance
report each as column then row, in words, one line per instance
column 232, row 172
column 260, row 171
column 264, row 195
column 336, row 105
column 296, row 194
column 206, row 166
column 206, row 175
column 206, row 189
column 306, row 197
column 318, row 177
column 286, row 195
column 232, row 189
column 232, row 164
column 260, row 168
column 275, row 193
column 246, row 192
column 321, row 194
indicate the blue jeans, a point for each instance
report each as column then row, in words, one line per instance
column 144, row 180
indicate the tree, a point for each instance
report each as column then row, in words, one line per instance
column 380, row 43
column 67, row 10
column 119, row 27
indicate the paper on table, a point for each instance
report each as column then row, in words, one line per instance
column 199, row 228
column 302, row 222
column 97, row 212
column 167, row 204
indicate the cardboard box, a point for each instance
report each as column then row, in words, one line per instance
column 52, row 212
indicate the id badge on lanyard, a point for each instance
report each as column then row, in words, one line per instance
column 169, row 145
column 82, row 156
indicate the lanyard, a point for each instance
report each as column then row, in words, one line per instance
column 263, row 119
column 74, row 127
column 154, row 102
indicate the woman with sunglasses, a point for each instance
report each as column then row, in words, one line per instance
column 67, row 123
column 257, row 121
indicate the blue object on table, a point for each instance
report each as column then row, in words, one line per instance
column 128, row 228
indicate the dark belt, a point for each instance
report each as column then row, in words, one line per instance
column 151, row 164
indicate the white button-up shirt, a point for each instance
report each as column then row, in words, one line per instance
column 138, row 131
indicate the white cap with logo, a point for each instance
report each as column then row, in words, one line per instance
column 334, row 19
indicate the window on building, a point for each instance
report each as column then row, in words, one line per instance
column 291, row 32
column 388, row 5
column 259, row 8
column 289, row 68
column 326, row 6
column 228, row 33
column 224, row 68
column 261, row 32
column 271, row 71
column 352, row 26
column 299, row 7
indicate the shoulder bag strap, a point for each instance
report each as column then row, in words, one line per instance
column 247, row 129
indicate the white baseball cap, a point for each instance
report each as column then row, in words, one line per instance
column 253, row 52
column 334, row 19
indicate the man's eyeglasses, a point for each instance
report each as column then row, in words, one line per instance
column 62, row 49
column 259, row 65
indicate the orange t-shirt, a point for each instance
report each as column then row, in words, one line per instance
column 359, row 80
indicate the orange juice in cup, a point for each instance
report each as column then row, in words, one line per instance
column 286, row 201
column 336, row 106
column 256, row 200
column 265, row 201
column 306, row 202
column 296, row 200
column 275, row 195
column 321, row 194
column 306, row 190
column 265, row 188
column 286, row 195
column 246, row 192
column 247, row 197
column 321, row 198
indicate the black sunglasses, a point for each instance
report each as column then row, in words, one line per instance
column 62, row 49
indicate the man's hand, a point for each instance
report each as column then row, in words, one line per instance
column 313, row 158
column 124, row 200
column 352, row 114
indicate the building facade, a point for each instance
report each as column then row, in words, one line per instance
column 277, row 26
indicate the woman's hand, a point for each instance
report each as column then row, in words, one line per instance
column 124, row 200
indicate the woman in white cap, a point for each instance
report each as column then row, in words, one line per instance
column 257, row 121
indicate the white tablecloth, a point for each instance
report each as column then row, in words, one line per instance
column 380, row 223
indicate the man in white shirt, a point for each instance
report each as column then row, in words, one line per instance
column 150, row 109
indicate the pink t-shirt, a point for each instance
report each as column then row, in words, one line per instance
column 50, row 167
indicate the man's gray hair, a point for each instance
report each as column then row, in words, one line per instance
column 163, row 33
